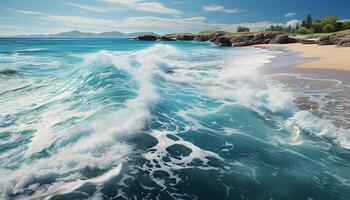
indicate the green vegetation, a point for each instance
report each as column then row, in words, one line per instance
column 212, row 32
column 241, row 29
column 327, row 24
column 317, row 35
column 278, row 28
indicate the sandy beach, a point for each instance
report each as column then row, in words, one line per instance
column 328, row 57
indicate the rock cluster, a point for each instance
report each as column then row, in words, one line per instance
column 248, row 39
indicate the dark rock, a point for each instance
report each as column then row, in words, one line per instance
column 147, row 37
column 308, row 41
column 269, row 36
column 282, row 39
column 8, row 72
column 328, row 40
column 241, row 40
column 240, row 44
column 345, row 42
column 223, row 41
column 184, row 37
column 213, row 39
column 203, row 38
column 166, row 38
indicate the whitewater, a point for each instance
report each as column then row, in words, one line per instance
column 126, row 119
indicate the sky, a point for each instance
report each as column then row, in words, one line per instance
column 160, row 16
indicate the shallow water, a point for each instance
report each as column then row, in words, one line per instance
column 124, row 119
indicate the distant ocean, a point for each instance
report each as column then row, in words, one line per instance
column 126, row 119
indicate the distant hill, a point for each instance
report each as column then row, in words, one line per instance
column 78, row 34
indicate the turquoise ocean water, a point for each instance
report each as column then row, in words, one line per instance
column 125, row 119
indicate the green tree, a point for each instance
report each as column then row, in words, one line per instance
column 243, row 29
column 297, row 27
column 303, row 23
column 309, row 21
column 318, row 26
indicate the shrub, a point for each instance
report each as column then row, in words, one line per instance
column 243, row 29
column 346, row 25
column 310, row 31
column 302, row 30
column 328, row 28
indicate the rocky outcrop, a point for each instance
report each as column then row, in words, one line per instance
column 167, row 38
column 282, row 39
column 345, row 42
column 248, row 39
column 147, row 37
column 328, row 40
column 308, row 41
column 223, row 41
column 203, row 38
column 183, row 37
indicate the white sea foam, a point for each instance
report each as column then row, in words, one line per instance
column 157, row 163
column 102, row 148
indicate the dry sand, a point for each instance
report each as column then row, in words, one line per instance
column 329, row 57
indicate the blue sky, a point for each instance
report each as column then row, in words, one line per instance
column 160, row 16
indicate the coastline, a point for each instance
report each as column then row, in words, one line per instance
column 326, row 62
column 317, row 57
column 307, row 84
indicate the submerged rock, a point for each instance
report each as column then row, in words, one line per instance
column 8, row 72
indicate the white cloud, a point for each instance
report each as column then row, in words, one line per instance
column 74, row 21
column 219, row 8
column 146, row 23
column 291, row 14
column 293, row 23
column 28, row 12
column 89, row 8
column 145, row 5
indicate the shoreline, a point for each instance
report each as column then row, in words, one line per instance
column 326, row 62
column 317, row 57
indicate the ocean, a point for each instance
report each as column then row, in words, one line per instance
column 127, row 119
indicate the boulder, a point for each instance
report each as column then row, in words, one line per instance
column 269, row 36
column 345, row 42
column 257, row 39
column 147, row 37
column 241, row 40
column 328, row 40
column 223, row 41
column 282, row 39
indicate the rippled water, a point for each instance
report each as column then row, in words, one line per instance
column 124, row 119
